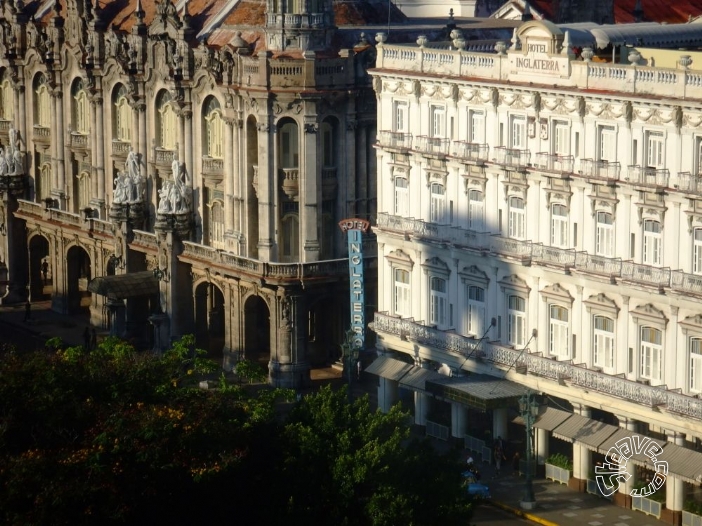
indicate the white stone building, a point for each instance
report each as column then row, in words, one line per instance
column 558, row 195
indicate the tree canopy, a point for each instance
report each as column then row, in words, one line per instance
column 114, row 436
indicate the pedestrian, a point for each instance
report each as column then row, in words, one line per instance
column 86, row 339
column 359, row 368
column 93, row 340
column 45, row 271
column 498, row 459
column 27, row 311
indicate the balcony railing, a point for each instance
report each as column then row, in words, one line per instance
column 512, row 157
column 561, row 257
column 604, row 266
column 211, row 165
column 685, row 282
column 398, row 140
column 689, row 182
column 449, row 234
column 432, row 145
column 5, row 125
column 277, row 271
column 554, row 163
column 646, row 274
column 600, row 169
column 507, row 358
column 145, row 239
column 471, row 151
column 41, row 133
column 162, row 156
column 120, row 147
column 648, row 176
column 511, row 247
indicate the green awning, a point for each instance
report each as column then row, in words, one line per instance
column 124, row 286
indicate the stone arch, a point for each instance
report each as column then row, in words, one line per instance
column 39, row 253
column 257, row 330
column 210, row 320
column 78, row 275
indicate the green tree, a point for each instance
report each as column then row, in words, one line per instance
column 347, row 465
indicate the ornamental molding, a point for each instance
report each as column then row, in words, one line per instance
column 399, row 258
column 473, row 274
column 515, row 283
column 649, row 314
column 600, row 302
column 557, row 293
column 436, row 265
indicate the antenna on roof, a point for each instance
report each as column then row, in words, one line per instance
column 389, row 13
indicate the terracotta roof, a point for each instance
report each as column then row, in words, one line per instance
column 121, row 15
column 674, row 12
column 248, row 13
column 349, row 12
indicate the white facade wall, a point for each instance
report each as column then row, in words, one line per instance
column 650, row 290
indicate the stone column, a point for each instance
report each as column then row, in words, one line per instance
column 21, row 114
column 499, row 423
column 458, row 421
column 189, row 157
column 675, row 488
column 267, row 180
column 310, row 173
column 57, row 143
column 421, row 407
column 100, row 156
column 387, row 394
column 582, row 457
column 93, row 152
column 229, row 170
column 542, row 437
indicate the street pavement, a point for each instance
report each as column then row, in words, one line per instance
column 556, row 503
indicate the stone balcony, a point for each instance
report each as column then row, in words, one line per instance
column 41, row 135
column 529, row 252
column 120, row 149
column 163, row 158
column 534, row 364
column 435, row 146
column 471, row 151
column 395, row 140
column 605, row 170
column 512, row 157
column 79, row 141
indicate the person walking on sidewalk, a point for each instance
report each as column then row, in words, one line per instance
column 498, row 460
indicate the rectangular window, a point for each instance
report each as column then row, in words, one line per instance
column 561, row 138
column 577, row 144
column 559, row 226
column 696, row 364
column 558, row 329
column 604, row 242
column 401, row 120
column 697, row 251
column 652, row 243
column 651, row 354
column 607, row 144
column 401, row 197
column 402, row 292
column 476, row 211
column 475, row 310
column 477, row 127
column 437, row 212
column 518, row 133
column 603, row 337
column 438, row 301
column 654, row 150
column 438, row 122
column 516, row 321
column 516, row 218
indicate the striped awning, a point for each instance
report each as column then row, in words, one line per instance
column 389, row 368
column 417, row 378
column 683, row 463
column 640, row 459
column 480, row 391
column 549, row 418
column 571, row 427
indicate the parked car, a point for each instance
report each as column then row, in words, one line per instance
column 475, row 488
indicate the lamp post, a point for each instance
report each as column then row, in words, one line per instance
column 350, row 353
column 529, row 410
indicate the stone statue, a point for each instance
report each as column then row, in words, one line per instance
column 135, row 181
column 164, row 204
column 17, row 167
column 119, row 195
column 3, row 164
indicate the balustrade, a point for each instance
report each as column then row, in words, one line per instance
column 600, row 169
column 508, row 358
column 212, row 166
column 554, row 256
column 78, row 140
column 398, row 140
column 471, row 151
column 595, row 264
column 512, row 157
column 646, row 176
column 646, row 274
column 684, row 282
column 144, row 239
column 554, row 163
column 689, row 182
column 432, row 145
column 120, row 147
column 164, row 156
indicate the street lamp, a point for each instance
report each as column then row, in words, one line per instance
column 529, row 410
column 350, row 354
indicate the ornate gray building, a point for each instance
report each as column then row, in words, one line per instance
column 181, row 167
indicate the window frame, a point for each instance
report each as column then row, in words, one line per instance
column 559, row 332
column 518, row 129
column 648, row 352
column 694, row 364
column 559, row 225
column 402, row 292
column 561, row 137
column 437, row 205
column 655, row 149
column 607, row 143
column 697, row 251
column 401, row 197
column 601, row 337
column 474, row 319
column 476, row 126
column 476, row 210
column 400, row 118
column 516, row 228
column 652, row 246
column 604, row 230
column 516, row 320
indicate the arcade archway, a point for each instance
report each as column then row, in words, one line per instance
column 209, row 319
column 78, row 274
column 257, row 331
column 41, row 276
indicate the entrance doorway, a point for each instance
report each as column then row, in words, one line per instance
column 257, row 331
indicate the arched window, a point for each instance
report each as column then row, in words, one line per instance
column 216, row 226
column 288, row 149
column 7, row 100
column 80, row 107
column 167, row 122
column 291, row 237
column 213, row 132
column 122, row 115
column 42, row 102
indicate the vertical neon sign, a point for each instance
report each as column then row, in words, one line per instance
column 355, row 229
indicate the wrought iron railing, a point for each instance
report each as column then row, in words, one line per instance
column 684, row 282
column 554, row 163
column 600, row 169
column 432, row 145
column 535, row 364
column 392, row 139
column 512, row 157
column 471, row 151
column 645, row 176
column 563, row 257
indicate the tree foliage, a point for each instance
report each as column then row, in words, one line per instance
column 114, row 436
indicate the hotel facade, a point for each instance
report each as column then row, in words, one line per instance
column 540, row 228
